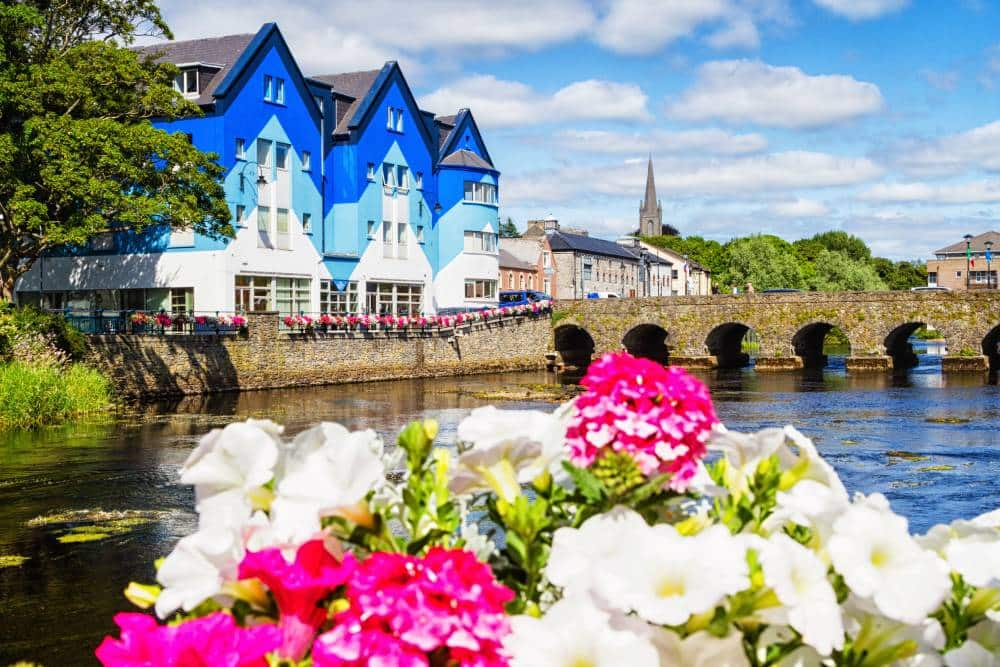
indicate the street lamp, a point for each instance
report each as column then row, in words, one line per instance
column 968, row 256
column 989, row 259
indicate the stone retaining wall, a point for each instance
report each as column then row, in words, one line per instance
column 264, row 357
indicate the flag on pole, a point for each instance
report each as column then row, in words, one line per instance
column 989, row 255
column 968, row 255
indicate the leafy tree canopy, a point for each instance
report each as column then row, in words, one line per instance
column 829, row 261
column 508, row 230
column 78, row 153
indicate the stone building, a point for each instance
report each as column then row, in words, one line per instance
column 952, row 268
column 586, row 266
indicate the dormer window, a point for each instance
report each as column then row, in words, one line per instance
column 186, row 83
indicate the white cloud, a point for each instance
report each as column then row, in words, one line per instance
column 642, row 27
column 972, row 192
column 800, row 208
column 776, row 172
column 500, row 103
column 740, row 32
column 860, row 10
column 708, row 141
column 744, row 91
column 978, row 148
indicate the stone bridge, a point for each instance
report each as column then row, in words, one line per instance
column 708, row 331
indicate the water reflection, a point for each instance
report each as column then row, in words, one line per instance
column 133, row 464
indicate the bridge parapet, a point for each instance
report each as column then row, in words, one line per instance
column 789, row 328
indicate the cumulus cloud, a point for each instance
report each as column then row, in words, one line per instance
column 800, row 208
column 706, row 141
column 978, row 148
column 971, row 192
column 501, row 103
column 775, row 172
column 642, row 27
column 745, row 91
column 861, row 10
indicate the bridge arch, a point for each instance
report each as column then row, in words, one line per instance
column 575, row 346
column 808, row 343
column 991, row 348
column 648, row 341
column 725, row 343
column 897, row 344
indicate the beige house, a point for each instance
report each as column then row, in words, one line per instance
column 951, row 267
column 535, row 251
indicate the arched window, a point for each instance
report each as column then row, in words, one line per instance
column 522, row 281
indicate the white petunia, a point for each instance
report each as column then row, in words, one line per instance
column 875, row 635
column 812, row 505
column 197, row 569
column 972, row 548
column 580, row 557
column 872, row 549
column 970, row 654
column 665, row 577
column 328, row 468
column 702, row 649
column 509, row 448
column 575, row 632
column 809, row 604
column 229, row 468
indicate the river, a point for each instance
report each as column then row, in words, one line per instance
column 928, row 442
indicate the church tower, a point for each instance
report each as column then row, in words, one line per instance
column 650, row 211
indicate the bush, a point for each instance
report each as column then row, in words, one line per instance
column 33, row 395
column 29, row 321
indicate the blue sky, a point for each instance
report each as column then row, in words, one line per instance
column 879, row 117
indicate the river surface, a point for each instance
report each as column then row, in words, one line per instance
column 928, row 442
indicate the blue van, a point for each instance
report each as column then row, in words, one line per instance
column 522, row 297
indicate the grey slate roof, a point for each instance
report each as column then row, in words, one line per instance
column 445, row 125
column 561, row 241
column 223, row 51
column 349, row 84
column 977, row 243
column 508, row 261
column 464, row 158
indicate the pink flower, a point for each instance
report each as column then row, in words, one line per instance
column 297, row 588
column 660, row 416
column 211, row 640
column 404, row 607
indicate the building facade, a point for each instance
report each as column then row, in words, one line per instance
column 532, row 251
column 588, row 266
column 346, row 197
column 955, row 268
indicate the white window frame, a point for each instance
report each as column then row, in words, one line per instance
column 420, row 180
column 420, row 233
column 399, row 121
column 279, row 91
column 265, row 236
column 241, row 148
column 241, row 215
column 181, row 83
column 282, row 149
column 283, row 239
column 389, row 119
column 307, row 223
column 266, row 162
column 371, row 230
column 306, row 161
column 371, row 171
column 388, row 247
column 481, row 288
column 388, row 175
column 402, row 240
column 402, row 178
column 480, row 192
column 268, row 88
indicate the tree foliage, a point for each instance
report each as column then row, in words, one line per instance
column 508, row 230
column 829, row 261
column 78, row 152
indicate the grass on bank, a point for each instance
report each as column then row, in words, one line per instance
column 33, row 395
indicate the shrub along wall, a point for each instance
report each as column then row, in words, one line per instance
column 264, row 357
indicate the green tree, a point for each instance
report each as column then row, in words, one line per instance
column 78, row 153
column 838, row 271
column 766, row 261
column 900, row 275
column 710, row 254
column 508, row 230
column 836, row 241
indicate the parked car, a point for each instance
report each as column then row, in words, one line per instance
column 522, row 297
column 602, row 295
column 930, row 288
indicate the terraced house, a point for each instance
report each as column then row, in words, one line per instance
column 346, row 197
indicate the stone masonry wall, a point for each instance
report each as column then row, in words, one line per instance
column 263, row 357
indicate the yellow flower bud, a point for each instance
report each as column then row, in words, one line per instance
column 430, row 428
column 142, row 596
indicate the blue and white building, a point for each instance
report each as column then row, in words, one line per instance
column 345, row 195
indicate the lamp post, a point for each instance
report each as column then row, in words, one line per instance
column 989, row 260
column 968, row 257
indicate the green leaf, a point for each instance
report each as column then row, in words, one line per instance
column 586, row 483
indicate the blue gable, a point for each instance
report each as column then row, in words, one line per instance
column 466, row 135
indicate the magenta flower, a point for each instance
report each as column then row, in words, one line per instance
column 403, row 608
column 213, row 640
column 297, row 588
column 660, row 416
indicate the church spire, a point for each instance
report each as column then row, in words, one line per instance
column 650, row 204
